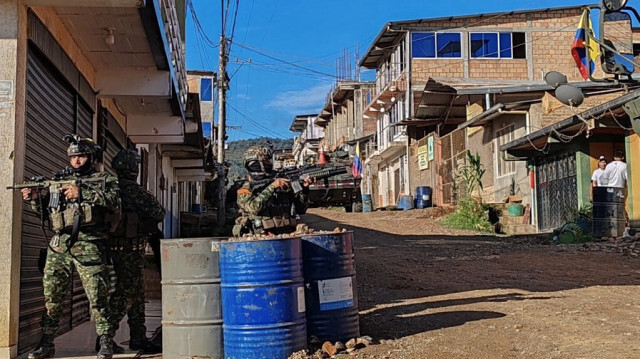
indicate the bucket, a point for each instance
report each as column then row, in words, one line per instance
column 263, row 302
column 330, row 281
column 367, row 203
column 191, row 313
column 424, row 197
column 405, row 202
column 515, row 210
column 609, row 215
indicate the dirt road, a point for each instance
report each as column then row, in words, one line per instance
column 426, row 291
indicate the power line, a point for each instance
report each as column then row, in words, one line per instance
column 255, row 122
column 198, row 26
column 285, row 62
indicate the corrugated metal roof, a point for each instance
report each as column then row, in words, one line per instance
column 568, row 123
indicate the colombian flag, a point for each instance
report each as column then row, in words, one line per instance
column 585, row 51
column 356, row 167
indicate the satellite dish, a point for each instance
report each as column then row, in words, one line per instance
column 569, row 95
column 555, row 79
column 614, row 5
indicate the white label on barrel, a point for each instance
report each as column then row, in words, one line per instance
column 425, row 197
column 335, row 293
column 301, row 306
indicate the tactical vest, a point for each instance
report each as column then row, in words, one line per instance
column 65, row 218
column 278, row 213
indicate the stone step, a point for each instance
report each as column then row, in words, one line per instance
column 518, row 229
column 511, row 220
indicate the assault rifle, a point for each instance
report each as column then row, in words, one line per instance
column 297, row 176
column 55, row 185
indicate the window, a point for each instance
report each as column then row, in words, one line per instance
column 504, row 136
column 206, row 91
column 436, row 45
column 505, row 45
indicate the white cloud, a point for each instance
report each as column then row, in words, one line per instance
column 309, row 100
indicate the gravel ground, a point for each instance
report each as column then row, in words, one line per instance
column 426, row 291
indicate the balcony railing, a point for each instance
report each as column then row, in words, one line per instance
column 399, row 84
column 176, row 47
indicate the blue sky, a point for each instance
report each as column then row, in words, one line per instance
column 284, row 52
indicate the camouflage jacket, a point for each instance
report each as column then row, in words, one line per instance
column 103, row 197
column 140, row 204
column 269, row 205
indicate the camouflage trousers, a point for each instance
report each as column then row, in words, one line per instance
column 89, row 259
column 129, row 295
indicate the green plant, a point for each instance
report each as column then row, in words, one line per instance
column 470, row 174
column 469, row 214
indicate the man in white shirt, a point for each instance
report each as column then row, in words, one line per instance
column 595, row 178
column 615, row 174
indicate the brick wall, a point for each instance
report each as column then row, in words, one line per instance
column 543, row 115
column 511, row 69
column 370, row 126
column 549, row 35
column 422, row 69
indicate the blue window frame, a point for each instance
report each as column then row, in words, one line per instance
column 423, row 44
column 505, row 45
column 436, row 45
column 491, row 45
column 206, row 90
column 449, row 45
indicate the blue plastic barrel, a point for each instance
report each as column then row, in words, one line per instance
column 263, row 306
column 367, row 203
column 330, row 282
column 405, row 202
column 424, row 197
column 196, row 208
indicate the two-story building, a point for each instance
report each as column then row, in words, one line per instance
column 113, row 71
column 434, row 75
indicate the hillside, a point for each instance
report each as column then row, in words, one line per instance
column 237, row 148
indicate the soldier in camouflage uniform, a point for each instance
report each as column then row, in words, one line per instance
column 270, row 210
column 141, row 213
column 80, row 243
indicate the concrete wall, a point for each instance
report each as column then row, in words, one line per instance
column 12, row 121
column 502, row 184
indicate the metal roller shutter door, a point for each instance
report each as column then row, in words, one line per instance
column 52, row 111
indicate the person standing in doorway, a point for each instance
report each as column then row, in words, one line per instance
column 141, row 213
column 595, row 177
column 615, row 173
column 78, row 243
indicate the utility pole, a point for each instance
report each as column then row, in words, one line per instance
column 222, row 88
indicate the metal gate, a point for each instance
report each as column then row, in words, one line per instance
column 53, row 109
column 453, row 147
column 557, row 189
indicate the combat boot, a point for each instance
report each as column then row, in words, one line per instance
column 116, row 348
column 106, row 347
column 45, row 348
column 145, row 345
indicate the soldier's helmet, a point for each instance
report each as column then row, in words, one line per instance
column 82, row 146
column 257, row 159
column 126, row 162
